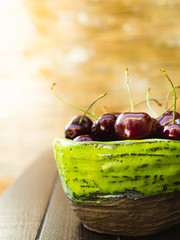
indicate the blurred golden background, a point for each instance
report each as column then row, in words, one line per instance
column 84, row 47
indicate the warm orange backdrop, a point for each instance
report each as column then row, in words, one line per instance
column 84, row 46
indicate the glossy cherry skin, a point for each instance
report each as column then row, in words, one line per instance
column 103, row 128
column 156, row 130
column 171, row 131
column 167, row 118
column 83, row 138
column 132, row 125
column 177, row 121
column 74, row 128
column 116, row 114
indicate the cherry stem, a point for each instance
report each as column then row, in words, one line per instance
column 168, row 94
column 148, row 104
column 127, row 83
column 165, row 111
column 173, row 88
column 86, row 112
column 145, row 101
column 101, row 96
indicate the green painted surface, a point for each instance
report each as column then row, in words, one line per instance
column 98, row 171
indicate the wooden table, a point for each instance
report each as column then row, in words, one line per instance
column 35, row 207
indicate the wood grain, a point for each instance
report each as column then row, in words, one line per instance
column 23, row 205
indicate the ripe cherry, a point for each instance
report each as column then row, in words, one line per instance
column 156, row 129
column 103, row 128
column 86, row 137
column 171, row 131
column 78, row 126
column 167, row 118
column 177, row 121
column 116, row 114
column 131, row 125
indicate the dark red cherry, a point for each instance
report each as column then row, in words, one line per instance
column 171, row 131
column 75, row 128
column 177, row 121
column 116, row 114
column 86, row 137
column 156, row 130
column 132, row 125
column 167, row 118
column 103, row 128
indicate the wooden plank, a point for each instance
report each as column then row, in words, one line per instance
column 61, row 223
column 23, row 204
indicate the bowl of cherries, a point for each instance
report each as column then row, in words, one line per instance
column 121, row 173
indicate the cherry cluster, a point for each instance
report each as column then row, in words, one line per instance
column 122, row 126
column 126, row 125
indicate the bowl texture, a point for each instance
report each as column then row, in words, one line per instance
column 130, row 188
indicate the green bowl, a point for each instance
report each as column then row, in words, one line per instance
column 129, row 187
